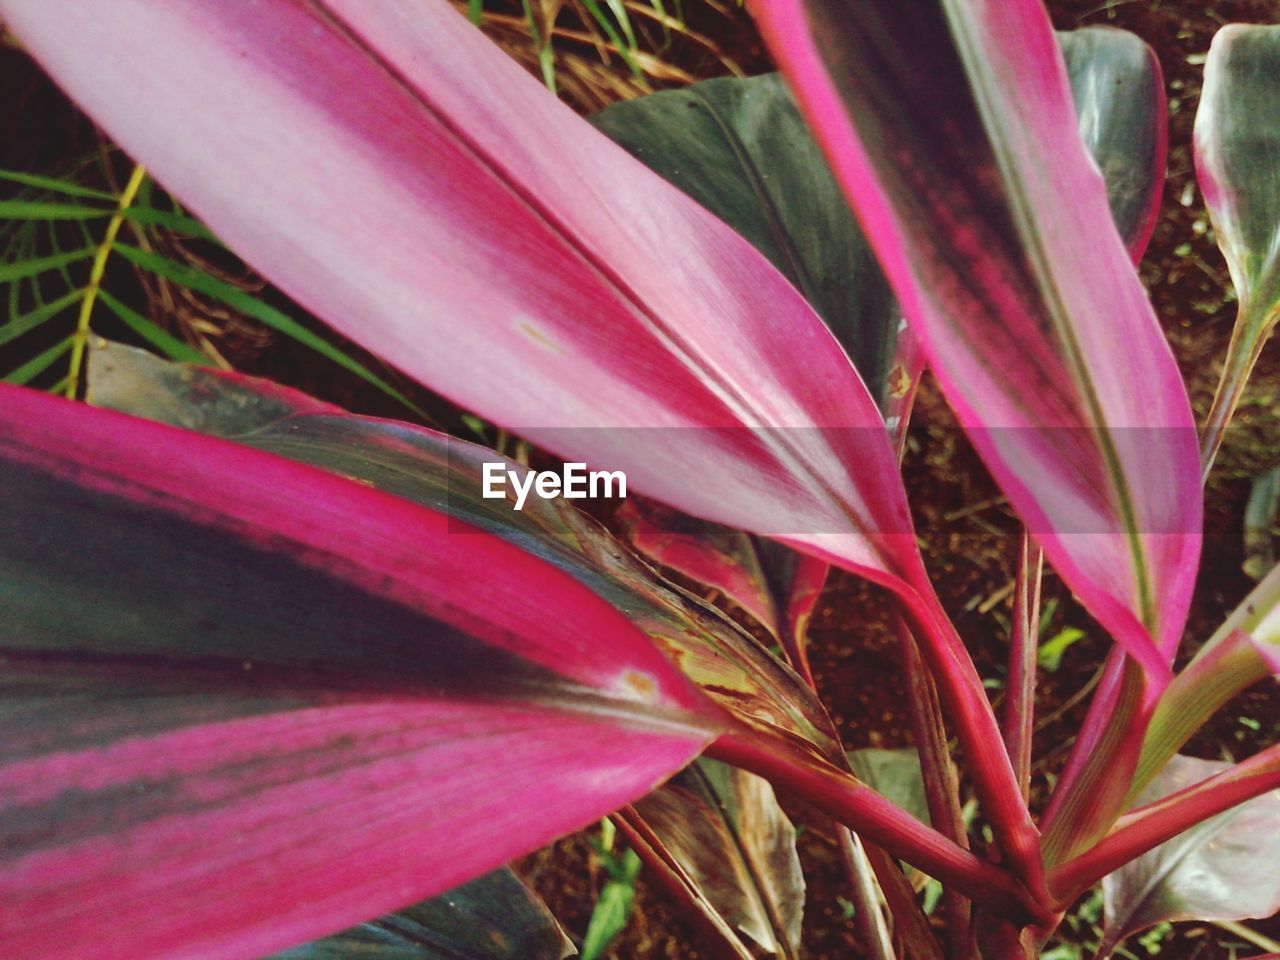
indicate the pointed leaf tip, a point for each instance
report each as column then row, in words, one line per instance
column 952, row 130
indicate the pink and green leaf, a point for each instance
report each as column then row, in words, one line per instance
column 1244, row 650
column 952, row 130
column 446, row 474
column 397, row 174
column 278, row 701
column 1222, row 869
column 1237, row 146
column 1147, row 827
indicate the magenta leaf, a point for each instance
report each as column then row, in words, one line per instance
column 1222, row 869
column 1118, row 91
column 429, row 468
column 1238, row 166
column 494, row 917
column 276, row 702
column 444, row 473
column 720, row 557
column 396, row 173
column 952, row 130
column 741, row 149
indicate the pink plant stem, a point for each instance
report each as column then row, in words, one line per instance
column 842, row 796
column 1139, row 831
column 978, row 731
column 1020, row 686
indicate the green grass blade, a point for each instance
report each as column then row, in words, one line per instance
column 606, row 24
column 31, row 268
column 177, row 222
column 42, row 210
column 55, row 185
column 546, row 56
column 264, row 313
column 475, row 11
column 613, row 908
column 624, row 21
column 18, row 326
column 58, row 248
column 158, row 337
column 38, row 364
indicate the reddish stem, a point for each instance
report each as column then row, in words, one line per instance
column 852, row 803
column 1139, row 831
column 978, row 731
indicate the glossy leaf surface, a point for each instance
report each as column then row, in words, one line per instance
column 1223, row 869
column 1118, row 91
column 446, row 474
column 279, row 702
column 725, row 830
column 397, row 174
column 951, row 128
column 494, row 917
column 1237, row 146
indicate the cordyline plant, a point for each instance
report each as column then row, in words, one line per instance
column 271, row 670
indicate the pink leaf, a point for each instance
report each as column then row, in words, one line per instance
column 248, row 703
column 952, row 130
column 396, row 173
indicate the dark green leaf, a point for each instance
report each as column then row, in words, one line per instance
column 1119, row 99
column 495, row 917
column 613, row 908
